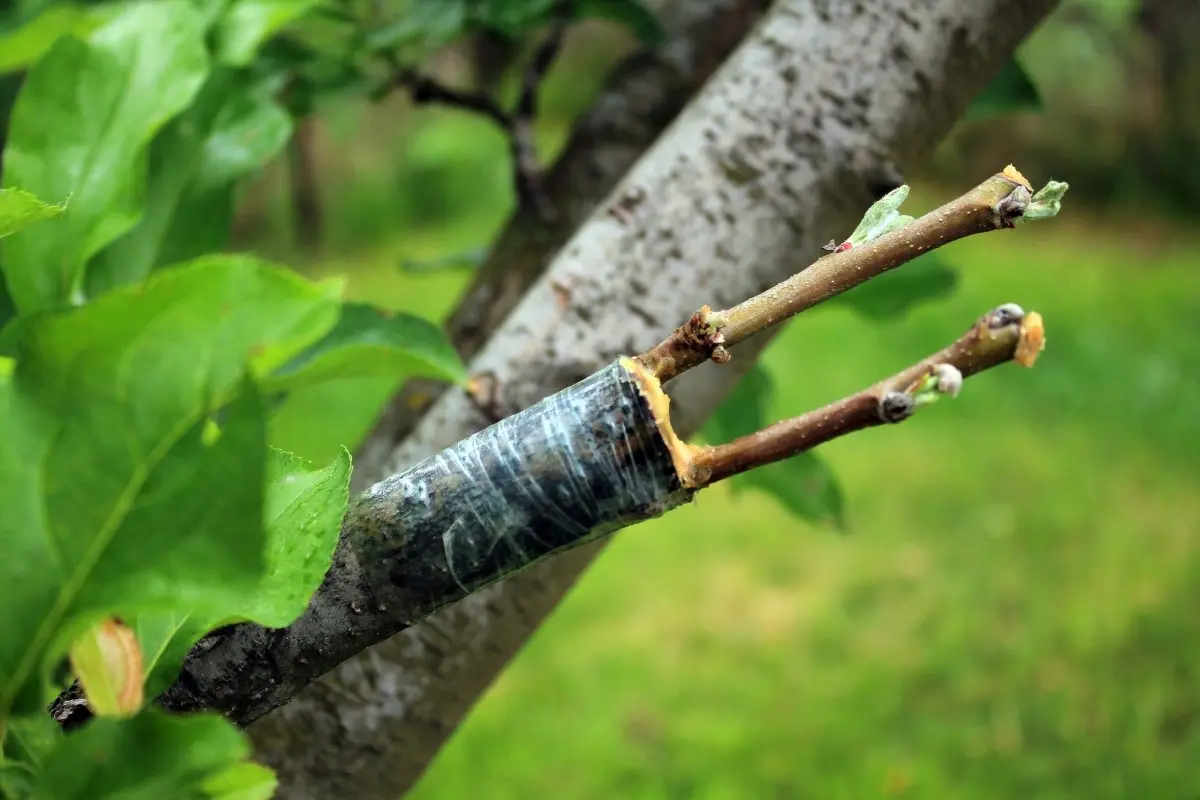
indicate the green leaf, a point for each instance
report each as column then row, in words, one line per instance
column 511, row 18
column 19, row 210
column 424, row 25
column 804, row 484
column 26, row 43
column 246, row 24
column 114, row 500
column 898, row 291
column 370, row 342
column 304, row 510
column 243, row 781
column 882, row 217
column 232, row 129
column 1011, row 90
column 79, row 130
column 166, row 637
column 303, row 517
column 148, row 757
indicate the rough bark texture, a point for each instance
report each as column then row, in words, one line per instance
column 782, row 151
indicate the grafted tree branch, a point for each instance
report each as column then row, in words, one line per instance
column 870, row 89
column 835, row 103
column 592, row 459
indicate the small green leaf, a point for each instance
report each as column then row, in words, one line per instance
column 246, row 24
column 232, row 129
column 19, row 210
column 898, row 291
column 424, row 25
column 304, row 510
column 1046, row 203
column 114, row 502
column 1011, row 90
column 369, row 342
column 243, row 781
column 149, row 757
column 79, row 130
column 804, row 484
column 882, row 217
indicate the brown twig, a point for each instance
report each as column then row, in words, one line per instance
column 992, row 205
column 1004, row 334
column 518, row 124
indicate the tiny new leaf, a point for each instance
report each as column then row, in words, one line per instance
column 19, row 210
column 371, row 342
column 79, row 130
column 804, row 484
column 115, row 501
column 1011, row 90
column 151, row 756
column 898, row 291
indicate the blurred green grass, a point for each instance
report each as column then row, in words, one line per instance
column 1014, row 612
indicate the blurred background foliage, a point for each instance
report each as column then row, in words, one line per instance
column 1015, row 609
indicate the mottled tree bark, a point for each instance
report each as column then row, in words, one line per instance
column 783, row 149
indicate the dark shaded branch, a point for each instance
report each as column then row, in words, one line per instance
column 518, row 125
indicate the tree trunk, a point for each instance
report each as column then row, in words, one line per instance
column 782, row 151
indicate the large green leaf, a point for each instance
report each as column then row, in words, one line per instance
column 232, row 129
column 303, row 519
column 246, row 24
column 1011, row 90
column 79, row 130
column 898, row 291
column 152, row 756
column 804, row 484
column 25, row 43
column 19, row 210
column 370, row 342
column 115, row 499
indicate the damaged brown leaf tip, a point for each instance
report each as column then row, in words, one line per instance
column 1032, row 339
column 109, row 664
